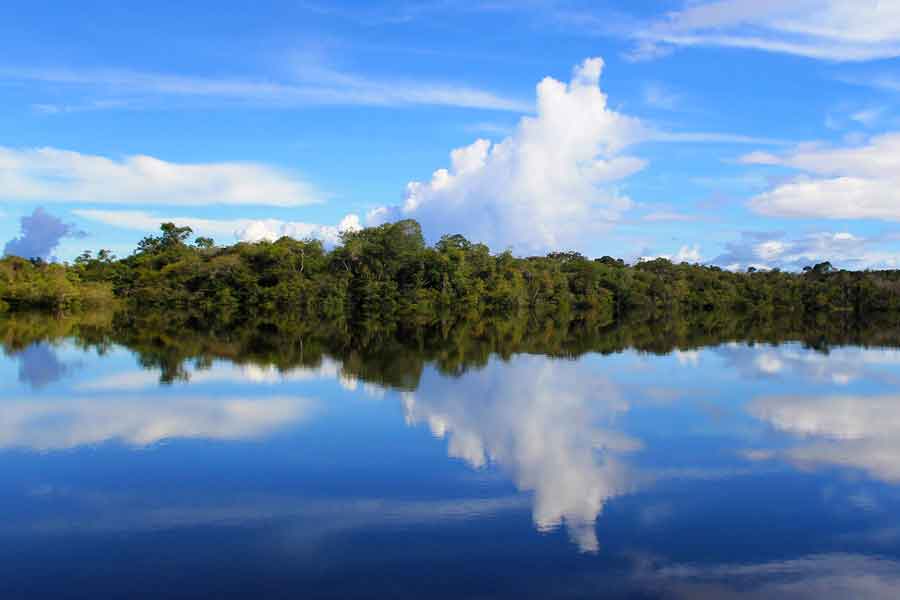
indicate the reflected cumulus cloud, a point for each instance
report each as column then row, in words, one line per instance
column 862, row 432
column 543, row 422
column 839, row 366
column 63, row 423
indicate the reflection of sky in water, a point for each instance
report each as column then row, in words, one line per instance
column 734, row 471
column 40, row 366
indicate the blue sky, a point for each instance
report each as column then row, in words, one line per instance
column 734, row 132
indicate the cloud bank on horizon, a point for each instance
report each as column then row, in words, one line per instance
column 742, row 133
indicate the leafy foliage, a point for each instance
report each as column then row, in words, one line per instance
column 388, row 274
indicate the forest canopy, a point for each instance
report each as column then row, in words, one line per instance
column 390, row 273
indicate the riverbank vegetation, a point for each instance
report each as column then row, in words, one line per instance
column 389, row 274
column 34, row 284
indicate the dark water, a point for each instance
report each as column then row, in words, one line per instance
column 734, row 470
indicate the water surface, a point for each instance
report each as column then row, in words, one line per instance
column 225, row 467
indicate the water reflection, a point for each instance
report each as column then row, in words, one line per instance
column 861, row 432
column 39, row 365
column 546, row 424
column 677, row 470
column 223, row 372
column 839, row 366
column 833, row 576
column 61, row 423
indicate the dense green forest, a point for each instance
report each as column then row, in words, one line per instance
column 389, row 274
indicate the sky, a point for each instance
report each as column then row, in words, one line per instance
column 731, row 132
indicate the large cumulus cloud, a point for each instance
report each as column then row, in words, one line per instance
column 550, row 184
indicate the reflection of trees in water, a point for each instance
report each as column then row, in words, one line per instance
column 546, row 424
column 395, row 355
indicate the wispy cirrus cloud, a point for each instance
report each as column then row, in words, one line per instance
column 834, row 30
column 307, row 85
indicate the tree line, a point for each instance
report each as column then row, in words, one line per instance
column 389, row 274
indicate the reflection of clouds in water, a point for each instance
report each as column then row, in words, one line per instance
column 840, row 366
column 832, row 576
column 539, row 421
column 328, row 369
column 687, row 358
column 232, row 373
column 309, row 518
column 138, row 379
column 39, row 365
column 855, row 431
column 70, row 422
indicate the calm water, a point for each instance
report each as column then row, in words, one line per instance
column 728, row 471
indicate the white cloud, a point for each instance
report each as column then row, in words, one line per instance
column 53, row 175
column 836, row 30
column 852, row 182
column 771, row 250
column 689, row 137
column 885, row 81
column 541, row 422
column 869, row 116
column 271, row 230
column 138, row 220
column 245, row 230
column 688, row 254
column 550, row 184
column 91, row 106
column 658, row 96
column 61, row 423
column 311, row 85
